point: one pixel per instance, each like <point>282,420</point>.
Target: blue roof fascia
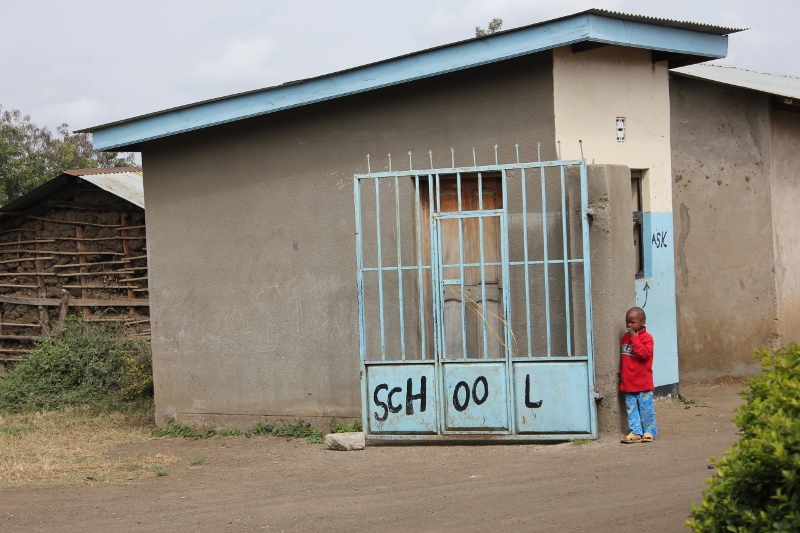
<point>429,63</point>
<point>661,38</point>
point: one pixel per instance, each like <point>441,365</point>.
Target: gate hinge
<point>597,396</point>
<point>589,212</point>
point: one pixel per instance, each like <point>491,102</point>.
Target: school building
<point>443,243</point>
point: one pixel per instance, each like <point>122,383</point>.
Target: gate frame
<point>438,285</point>
<point>511,408</point>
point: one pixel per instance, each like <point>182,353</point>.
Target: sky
<point>90,62</point>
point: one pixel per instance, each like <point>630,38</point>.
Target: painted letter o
<point>456,403</point>
<point>480,379</point>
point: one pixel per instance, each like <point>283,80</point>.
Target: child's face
<point>634,320</point>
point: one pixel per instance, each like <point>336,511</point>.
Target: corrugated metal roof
<point>765,82</point>
<point>107,170</point>
<point>127,185</point>
<point>668,23</point>
<point>124,182</point>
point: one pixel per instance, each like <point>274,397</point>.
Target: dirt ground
<point>270,484</point>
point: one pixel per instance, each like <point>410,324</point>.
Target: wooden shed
<point>74,245</point>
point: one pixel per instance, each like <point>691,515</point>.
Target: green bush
<point>89,365</point>
<point>757,486</point>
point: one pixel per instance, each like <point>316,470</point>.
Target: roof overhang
<point>689,41</point>
<point>766,82</point>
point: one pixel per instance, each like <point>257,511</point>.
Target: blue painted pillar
<point>655,293</point>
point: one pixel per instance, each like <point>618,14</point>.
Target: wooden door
<point>472,309</point>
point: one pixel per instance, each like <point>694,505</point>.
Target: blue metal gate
<point>474,302</point>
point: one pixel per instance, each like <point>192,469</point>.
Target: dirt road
<point>269,484</point>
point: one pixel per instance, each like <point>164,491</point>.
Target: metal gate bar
<point>399,267</point>
<point>566,260</point>
<point>421,294</point>
<point>546,265</point>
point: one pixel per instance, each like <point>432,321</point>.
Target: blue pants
<point>641,412</point>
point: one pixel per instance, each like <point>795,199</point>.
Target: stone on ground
<point>345,441</point>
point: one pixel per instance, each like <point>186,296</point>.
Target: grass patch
<point>11,431</point>
<point>260,429</point>
<point>341,427</point>
<point>196,461</point>
<point>178,430</point>
<point>70,446</point>
<point>159,471</point>
<point>194,432</point>
<point>295,430</point>
<point>581,442</point>
<point>299,430</point>
<point>684,400</point>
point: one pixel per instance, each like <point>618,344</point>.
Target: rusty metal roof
<point>765,82</point>
<point>124,182</point>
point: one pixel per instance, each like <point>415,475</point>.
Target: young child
<point>636,378</point>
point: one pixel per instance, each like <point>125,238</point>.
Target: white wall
<point>592,89</point>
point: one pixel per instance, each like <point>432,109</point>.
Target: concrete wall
<point>612,292</point>
<point>251,236</point>
<point>592,89</point>
<point>785,174</point>
<point>722,203</point>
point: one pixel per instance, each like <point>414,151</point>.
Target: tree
<point>30,155</point>
<point>494,26</point>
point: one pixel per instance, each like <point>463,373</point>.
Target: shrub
<point>299,430</point>
<point>295,430</point>
<point>757,486</point>
<point>341,427</point>
<point>89,365</point>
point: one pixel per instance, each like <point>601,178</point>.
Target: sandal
<point>632,438</point>
<point>647,437</point>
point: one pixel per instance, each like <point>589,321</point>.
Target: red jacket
<point>636,362</point>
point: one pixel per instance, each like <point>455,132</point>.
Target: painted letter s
<point>382,386</point>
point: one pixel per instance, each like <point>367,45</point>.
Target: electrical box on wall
<point>620,129</point>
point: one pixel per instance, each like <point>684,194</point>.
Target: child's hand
<point>632,333</point>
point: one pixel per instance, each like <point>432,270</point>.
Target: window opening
<point>638,226</point>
